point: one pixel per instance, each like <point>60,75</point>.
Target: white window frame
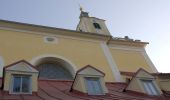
<point>12,85</point>
<point>100,85</point>
<point>150,87</point>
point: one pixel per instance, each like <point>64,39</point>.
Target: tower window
<point>93,86</point>
<point>96,25</point>
<point>21,84</point>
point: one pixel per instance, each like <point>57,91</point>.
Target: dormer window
<point>93,86</point>
<point>96,25</point>
<point>149,87</point>
<point>90,81</point>
<point>144,82</point>
<point>21,84</point>
<point>20,78</point>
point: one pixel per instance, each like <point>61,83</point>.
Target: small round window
<point>50,39</point>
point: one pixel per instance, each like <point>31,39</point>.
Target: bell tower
<point>91,24</point>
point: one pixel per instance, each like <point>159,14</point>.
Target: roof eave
<point>47,29</point>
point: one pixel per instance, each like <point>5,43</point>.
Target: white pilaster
<point>148,60</point>
<point>111,62</point>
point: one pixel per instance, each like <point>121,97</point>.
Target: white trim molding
<point>20,91</point>
<point>126,48</point>
<point>148,60</point>
<point>50,34</point>
<point>1,65</point>
<point>112,63</point>
<point>72,67</point>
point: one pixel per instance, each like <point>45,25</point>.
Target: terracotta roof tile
<point>59,90</point>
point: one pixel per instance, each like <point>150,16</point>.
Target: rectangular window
<point>149,87</point>
<point>93,86</point>
<point>21,84</point>
<point>96,25</point>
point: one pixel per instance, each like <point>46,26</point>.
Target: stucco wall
<point>20,45</point>
<point>164,84</point>
<point>130,60</point>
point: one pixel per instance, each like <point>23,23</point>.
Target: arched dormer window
<point>54,70</point>
<point>96,25</point>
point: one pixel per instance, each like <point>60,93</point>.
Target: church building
<point>47,63</point>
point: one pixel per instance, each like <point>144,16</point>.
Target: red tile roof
<point>154,74</point>
<point>59,90</point>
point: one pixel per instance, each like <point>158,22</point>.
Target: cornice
<point>125,42</point>
<point>4,24</point>
<point>45,29</point>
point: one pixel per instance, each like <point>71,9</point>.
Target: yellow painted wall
<point>128,60</point>
<point>18,45</point>
<point>164,84</point>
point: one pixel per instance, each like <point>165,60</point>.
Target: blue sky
<point>147,20</point>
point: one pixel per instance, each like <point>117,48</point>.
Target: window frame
<point>97,25</point>
<point>99,84</point>
<point>152,90</point>
<point>21,91</point>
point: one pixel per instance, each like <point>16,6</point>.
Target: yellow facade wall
<point>129,60</point>
<point>164,84</point>
<point>19,45</point>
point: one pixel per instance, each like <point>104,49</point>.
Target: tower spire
<point>91,24</point>
<point>83,13</point>
<point>81,8</point>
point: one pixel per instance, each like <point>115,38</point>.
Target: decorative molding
<point>112,64</point>
<point>2,64</point>
<point>127,48</point>
<point>21,66</point>
<point>50,34</point>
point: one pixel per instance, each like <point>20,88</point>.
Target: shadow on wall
<point>1,65</point>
